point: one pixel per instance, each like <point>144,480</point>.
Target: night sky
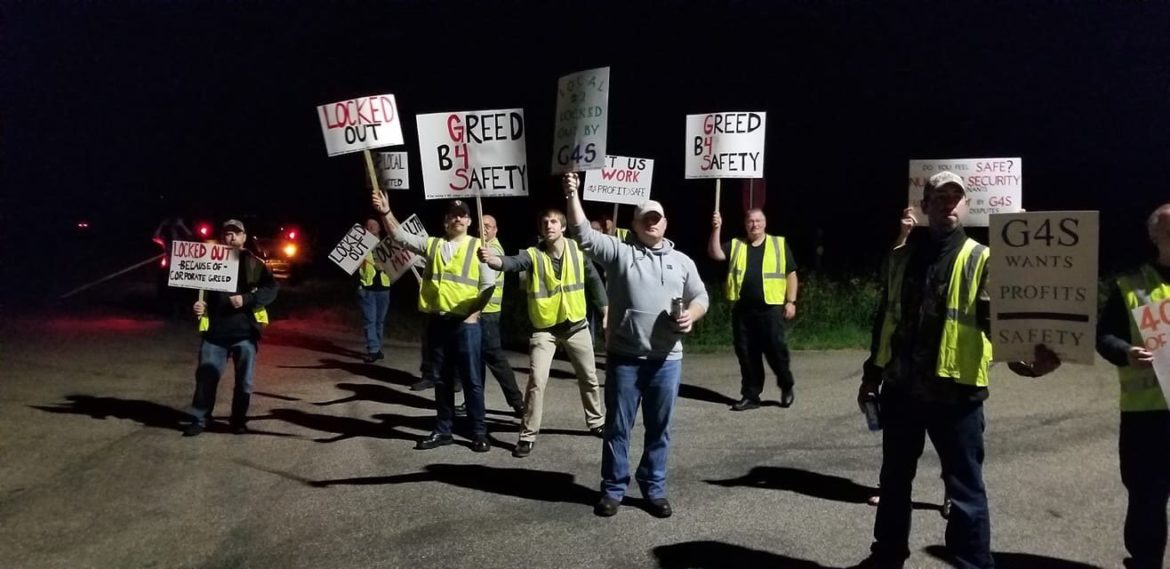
<point>122,112</point>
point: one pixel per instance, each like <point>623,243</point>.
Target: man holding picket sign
<point>558,277</point>
<point>493,353</point>
<point>454,289</point>
<point>230,324</point>
<point>761,285</point>
<point>1136,305</point>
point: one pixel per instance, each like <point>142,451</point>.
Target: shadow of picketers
<point>720,555</point>
<point>384,426</point>
<point>292,339</point>
<point>1013,560</point>
<point>369,371</point>
<point>146,413</point>
<point>539,485</point>
<point>379,394</point>
<point>687,391</point>
<point>815,484</point>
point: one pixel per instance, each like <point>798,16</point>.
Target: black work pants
<point>1144,448</point>
<point>759,331</point>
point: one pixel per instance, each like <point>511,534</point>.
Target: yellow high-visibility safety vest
<point>774,270</point>
<point>1139,387</point>
<point>367,270</point>
<point>259,314</point>
<point>497,300</point>
<point>964,351</point>
<point>553,299</point>
<point>450,287</point>
<point>621,233</point>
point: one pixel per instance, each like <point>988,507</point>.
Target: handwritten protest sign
<point>994,185</point>
<point>204,266</point>
<point>1153,321</point>
<point>473,152</point>
<point>725,145</point>
<point>622,180</point>
<point>582,114</point>
<point>395,260</point>
<point>348,253</point>
<point>360,124</point>
<point>392,171</point>
<point>1043,284</point>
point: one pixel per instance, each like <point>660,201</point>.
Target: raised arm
<point>714,244</point>
<point>600,246</point>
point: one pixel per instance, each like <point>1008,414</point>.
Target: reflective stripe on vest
<point>1139,386</point>
<point>367,270</point>
<point>621,233</point>
<point>450,287</point>
<point>773,270</point>
<point>964,350</point>
<point>553,299</point>
<point>496,302</point>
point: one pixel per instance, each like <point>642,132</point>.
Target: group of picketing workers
<point>927,368</point>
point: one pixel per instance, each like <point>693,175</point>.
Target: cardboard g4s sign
<point>582,114</point>
<point>1153,322</point>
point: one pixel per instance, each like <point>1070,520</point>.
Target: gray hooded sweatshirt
<point>640,283</point>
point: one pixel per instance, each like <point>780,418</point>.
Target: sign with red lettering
<point>352,248</point>
<point>994,185</point>
<point>473,152</point>
<point>392,171</point>
<point>621,180</point>
<point>205,266</point>
<point>360,124</point>
<point>395,260</point>
<point>1043,284</point>
<point>582,113</point>
<point>725,145</point>
<point>1153,320</point>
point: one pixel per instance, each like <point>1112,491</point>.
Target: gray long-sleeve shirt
<point>641,284</point>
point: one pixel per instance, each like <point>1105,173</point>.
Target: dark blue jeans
<point>1144,446</point>
<point>213,358</point>
<point>956,430</point>
<point>374,304</point>
<point>628,383</point>
<point>455,351</point>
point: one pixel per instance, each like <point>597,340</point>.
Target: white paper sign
<point>204,266</point>
<point>392,170</point>
<point>360,124</point>
<point>348,254</point>
<point>622,180</point>
<point>725,145</point>
<point>473,152</point>
<point>1043,284</point>
<point>994,185</point>
<point>582,114</point>
<point>1153,321</point>
<point>395,260</point>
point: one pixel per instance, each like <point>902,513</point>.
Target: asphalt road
<point>95,474</point>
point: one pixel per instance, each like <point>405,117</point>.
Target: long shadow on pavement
<point>146,413</point>
<point>815,484</point>
<point>1014,560</point>
<point>539,485</point>
<point>687,391</point>
<point>370,371</point>
<point>720,555</point>
<point>385,426</point>
<point>298,340</point>
<point>379,394</point>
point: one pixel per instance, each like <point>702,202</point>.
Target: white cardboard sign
<point>622,180</point>
<point>473,152</point>
<point>360,124</point>
<point>204,266</point>
<point>1153,321</point>
<point>994,185</point>
<point>392,170</point>
<point>352,248</point>
<point>725,145</point>
<point>582,114</point>
<point>395,260</point>
<point>1043,284</point>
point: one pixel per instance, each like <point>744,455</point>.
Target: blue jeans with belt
<point>213,358</point>
<point>455,348</point>
<point>628,382</point>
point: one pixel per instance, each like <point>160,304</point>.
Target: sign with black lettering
<point>582,113</point>
<point>725,145</point>
<point>994,185</point>
<point>392,171</point>
<point>622,180</point>
<point>1043,284</point>
<point>471,153</point>
<point>360,124</point>
<point>204,266</point>
<point>395,260</point>
<point>348,253</point>
<point>1153,320</point>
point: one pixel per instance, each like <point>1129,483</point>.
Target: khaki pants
<point>541,348</point>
